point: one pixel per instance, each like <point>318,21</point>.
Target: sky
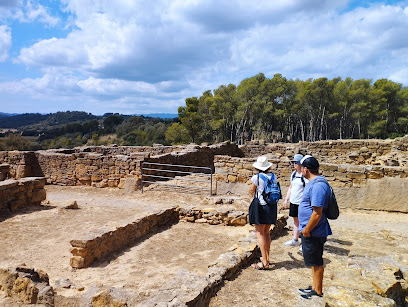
<point>142,57</point>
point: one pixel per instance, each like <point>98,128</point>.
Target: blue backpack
<point>272,192</point>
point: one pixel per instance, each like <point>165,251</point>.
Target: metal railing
<point>168,169</point>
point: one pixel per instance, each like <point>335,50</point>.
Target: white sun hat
<point>262,163</point>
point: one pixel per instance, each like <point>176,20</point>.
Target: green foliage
<point>177,134</point>
<point>16,142</point>
<point>111,122</point>
<point>278,109</point>
<point>140,130</point>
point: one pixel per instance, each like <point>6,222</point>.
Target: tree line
<point>279,109</point>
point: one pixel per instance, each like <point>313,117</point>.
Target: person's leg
<point>318,279</point>
<point>262,242</point>
<point>268,241</point>
<point>296,228</point>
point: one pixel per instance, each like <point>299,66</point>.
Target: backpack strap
<point>324,181</point>
<point>293,176</point>
<point>301,178</point>
<point>264,178</point>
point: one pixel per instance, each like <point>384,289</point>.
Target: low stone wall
<point>214,216</point>
<point>100,246</point>
<point>15,194</point>
<point>190,289</point>
<point>240,170</point>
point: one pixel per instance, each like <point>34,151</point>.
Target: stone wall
<point>4,171</point>
<point>105,166</point>
<point>374,152</point>
<point>233,170</point>
<point>100,246</point>
<point>369,187</point>
<point>22,163</point>
<point>15,194</point>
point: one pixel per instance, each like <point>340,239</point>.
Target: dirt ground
<point>380,235</point>
<point>40,238</point>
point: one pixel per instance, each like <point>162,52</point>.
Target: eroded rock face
<point>4,171</point>
<point>30,286</point>
<point>105,299</point>
<point>340,296</point>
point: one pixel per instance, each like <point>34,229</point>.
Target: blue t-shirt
<point>315,194</point>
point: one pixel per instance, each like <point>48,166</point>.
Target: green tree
<point>190,117</point>
<point>177,134</point>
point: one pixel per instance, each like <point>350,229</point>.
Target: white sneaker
<point>300,249</point>
<point>292,243</point>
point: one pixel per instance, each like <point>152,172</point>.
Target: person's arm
<point>314,219</point>
<point>252,190</point>
<point>285,202</point>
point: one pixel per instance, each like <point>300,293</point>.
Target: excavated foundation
<point>139,252</point>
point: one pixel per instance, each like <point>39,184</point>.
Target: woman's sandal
<point>261,259</point>
<point>260,266</point>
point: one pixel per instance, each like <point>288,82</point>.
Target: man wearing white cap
<point>294,196</point>
<point>313,224</point>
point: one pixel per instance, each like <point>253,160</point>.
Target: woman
<point>265,215</point>
<point>294,196</point>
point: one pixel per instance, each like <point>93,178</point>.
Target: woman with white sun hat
<point>262,215</point>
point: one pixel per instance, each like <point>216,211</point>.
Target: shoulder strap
<point>301,178</point>
<point>264,178</point>
<point>293,175</point>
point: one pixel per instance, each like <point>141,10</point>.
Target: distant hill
<point>45,121</point>
<point>7,114</point>
<point>159,115</point>
<point>20,120</point>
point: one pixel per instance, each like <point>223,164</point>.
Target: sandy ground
<point>40,238</point>
<point>369,233</point>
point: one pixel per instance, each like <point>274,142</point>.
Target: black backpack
<point>332,211</point>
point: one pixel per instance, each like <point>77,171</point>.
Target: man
<point>313,224</point>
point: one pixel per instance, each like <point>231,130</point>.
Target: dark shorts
<point>293,210</point>
<point>312,249</point>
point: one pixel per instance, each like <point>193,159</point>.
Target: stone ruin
<point>357,168</point>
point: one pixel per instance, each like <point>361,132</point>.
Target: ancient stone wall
<point>99,246</point>
<point>233,170</point>
<point>22,163</point>
<point>4,171</point>
<point>374,152</point>
<point>107,166</point>
<point>372,187</point>
<point>15,194</point>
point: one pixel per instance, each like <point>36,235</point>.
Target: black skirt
<point>262,214</point>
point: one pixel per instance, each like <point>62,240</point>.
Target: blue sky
<point>132,56</point>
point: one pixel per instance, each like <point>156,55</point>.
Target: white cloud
<point>5,42</point>
<point>26,11</point>
<point>136,52</point>
<point>35,11</point>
